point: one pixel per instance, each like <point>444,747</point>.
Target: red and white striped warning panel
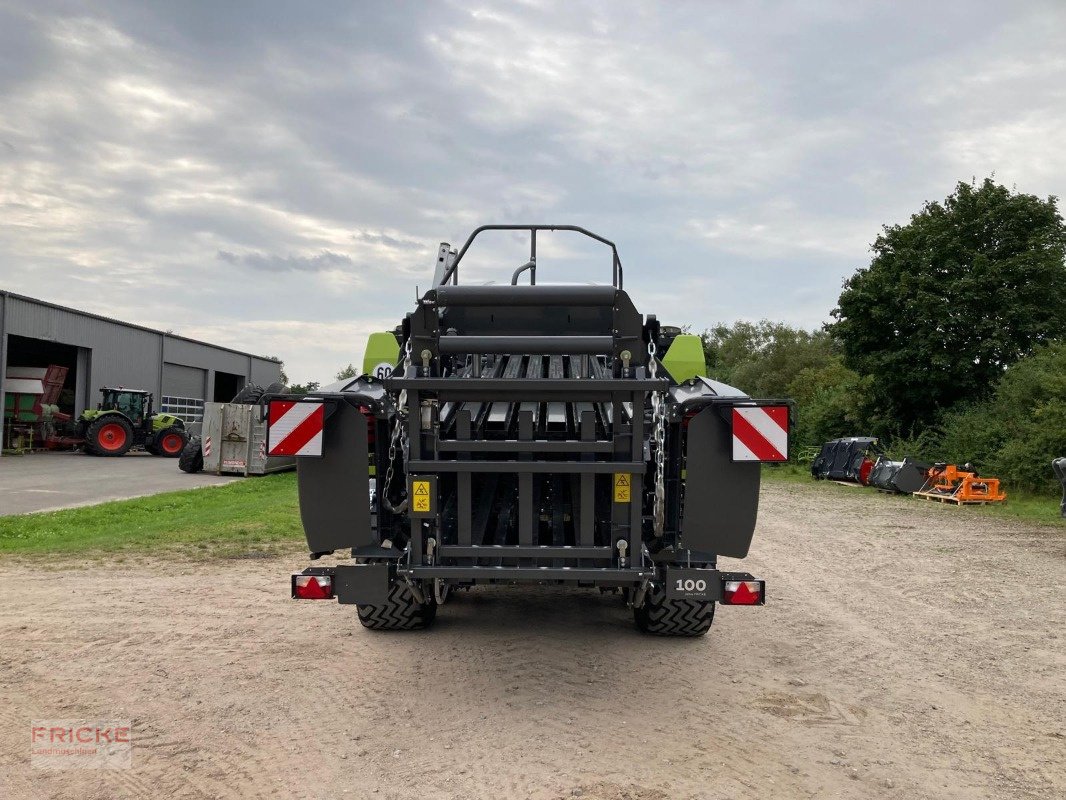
<point>295,429</point>
<point>207,445</point>
<point>760,433</point>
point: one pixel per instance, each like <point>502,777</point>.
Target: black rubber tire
<point>276,388</point>
<point>151,448</point>
<point>662,617</point>
<point>399,612</point>
<point>173,430</point>
<point>249,395</point>
<point>92,435</point>
<point>191,459</point>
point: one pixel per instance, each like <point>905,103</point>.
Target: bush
<point>1030,402</point>
<point>1015,434</point>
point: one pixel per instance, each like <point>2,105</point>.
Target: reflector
<point>312,587</point>
<point>742,593</point>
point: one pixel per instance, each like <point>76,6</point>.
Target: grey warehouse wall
<point>184,381</point>
<point>121,356</point>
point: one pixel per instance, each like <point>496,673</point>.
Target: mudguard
<point>334,489</point>
<point>721,495</point>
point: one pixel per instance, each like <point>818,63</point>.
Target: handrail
<point>452,273</point>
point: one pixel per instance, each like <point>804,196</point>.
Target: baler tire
<point>191,459</point>
<point>399,612</point>
<point>661,617</point>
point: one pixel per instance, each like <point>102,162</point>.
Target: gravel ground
<point>908,650</point>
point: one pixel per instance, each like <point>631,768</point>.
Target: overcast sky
<point>277,177</point>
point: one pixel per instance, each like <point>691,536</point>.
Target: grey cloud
<point>275,263</point>
<point>400,243</point>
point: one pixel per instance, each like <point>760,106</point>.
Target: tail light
<point>743,593</point>
<point>312,587</point>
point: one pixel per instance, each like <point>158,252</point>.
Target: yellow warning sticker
<point>420,497</point>
<point>622,486</point>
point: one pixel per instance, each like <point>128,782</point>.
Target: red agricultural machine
<point>31,417</point>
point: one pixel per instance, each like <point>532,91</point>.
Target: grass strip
<point>236,518</point>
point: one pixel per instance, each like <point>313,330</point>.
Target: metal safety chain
<point>399,437</point>
<point>658,417</point>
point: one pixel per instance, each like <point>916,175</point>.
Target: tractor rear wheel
<point>663,617</point>
<point>169,442</point>
<point>109,435</point>
<point>192,456</point>
<point>400,611</point>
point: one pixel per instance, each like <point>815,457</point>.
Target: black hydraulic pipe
<point>521,269</point>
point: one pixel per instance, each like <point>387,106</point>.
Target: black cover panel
<point>910,477</point>
<point>721,496</point>
<point>361,584</point>
<point>884,472</point>
<point>841,459</point>
<point>335,489</point>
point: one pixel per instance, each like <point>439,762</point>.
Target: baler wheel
<point>110,435</point>
<point>663,617</point>
<point>400,612</point>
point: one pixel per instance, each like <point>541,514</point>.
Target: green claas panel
<point>382,353</point>
<point>685,358</point>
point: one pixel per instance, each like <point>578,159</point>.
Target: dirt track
<point>907,651</point>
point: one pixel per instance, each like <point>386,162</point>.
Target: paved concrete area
<point>49,481</point>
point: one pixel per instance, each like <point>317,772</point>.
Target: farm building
<point>96,351</point>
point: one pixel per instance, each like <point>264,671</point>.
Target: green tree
<point>1030,405</point>
<point>829,400</point>
<point>304,388</point>
<point>1017,432</point>
<point>951,299</point>
<point>348,372</point>
<point>281,368</point>
<point>764,358</point>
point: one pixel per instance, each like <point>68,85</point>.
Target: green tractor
<point>124,419</point>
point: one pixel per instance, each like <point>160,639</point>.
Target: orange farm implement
<point>948,483</point>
